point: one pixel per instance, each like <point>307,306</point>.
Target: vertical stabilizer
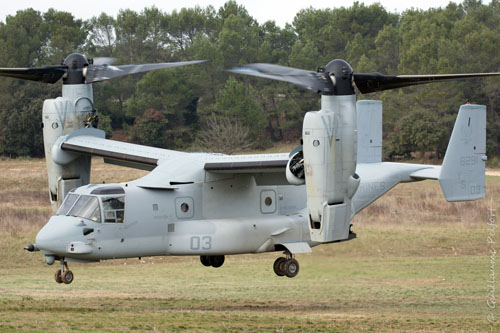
<point>462,174</point>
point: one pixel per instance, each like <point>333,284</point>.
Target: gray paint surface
<point>227,211</point>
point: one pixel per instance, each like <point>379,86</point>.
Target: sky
<point>281,11</point>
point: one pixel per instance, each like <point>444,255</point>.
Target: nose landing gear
<point>64,275</point>
<point>286,266</point>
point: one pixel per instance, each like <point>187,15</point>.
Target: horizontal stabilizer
<point>462,175</point>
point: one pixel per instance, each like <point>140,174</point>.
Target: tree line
<point>183,108</point>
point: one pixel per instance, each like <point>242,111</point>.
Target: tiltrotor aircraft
<point>212,205</point>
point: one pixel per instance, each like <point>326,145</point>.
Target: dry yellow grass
<point>25,208</point>
<point>419,263</point>
<point>24,196</point>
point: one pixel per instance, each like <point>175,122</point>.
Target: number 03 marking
<point>204,243</point>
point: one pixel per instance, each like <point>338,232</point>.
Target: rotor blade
<point>96,73</point>
<point>104,61</point>
<point>371,82</point>
<point>307,79</point>
<point>47,74</point>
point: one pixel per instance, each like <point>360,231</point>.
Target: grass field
<point>419,263</point>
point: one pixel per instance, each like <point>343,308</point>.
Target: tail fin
<point>462,174</point>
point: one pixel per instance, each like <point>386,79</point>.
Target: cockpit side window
<point>87,207</point>
<point>67,204</point>
<point>114,209</point>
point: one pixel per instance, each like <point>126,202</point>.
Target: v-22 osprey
<point>212,205</point>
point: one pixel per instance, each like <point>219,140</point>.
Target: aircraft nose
<point>53,237</point>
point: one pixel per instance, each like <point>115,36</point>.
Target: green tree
<point>102,35</point>
<point>239,40</point>
<point>22,38</point>
<point>166,91</point>
<point>66,34</point>
<point>105,125</point>
<point>151,129</point>
<point>236,101</point>
<point>417,132</point>
<point>186,25</point>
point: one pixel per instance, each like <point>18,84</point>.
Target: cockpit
<point>105,203</point>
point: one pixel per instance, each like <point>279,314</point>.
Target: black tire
<point>216,261</point>
<point>205,261</point>
<point>291,268</point>
<point>67,277</point>
<point>278,264</point>
<point>58,277</point>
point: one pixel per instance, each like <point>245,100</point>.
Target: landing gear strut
<point>286,266</point>
<point>214,261</point>
<point>64,275</point>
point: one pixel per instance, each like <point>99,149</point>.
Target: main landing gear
<point>286,266</point>
<point>64,275</point>
<point>214,261</point>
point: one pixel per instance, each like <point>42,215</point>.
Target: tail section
<point>462,175</point>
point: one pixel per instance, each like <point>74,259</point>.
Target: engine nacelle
<point>330,149</point>
<point>62,116</point>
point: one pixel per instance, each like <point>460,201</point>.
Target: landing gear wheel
<point>67,277</point>
<point>205,261</point>
<point>291,268</point>
<point>58,277</point>
<point>278,266</point>
<point>216,261</point>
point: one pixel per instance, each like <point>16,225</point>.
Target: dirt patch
<point>495,172</point>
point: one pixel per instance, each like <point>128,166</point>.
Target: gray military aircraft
<point>212,205</point>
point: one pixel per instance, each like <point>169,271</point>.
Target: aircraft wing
<point>92,142</point>
<point>248,164</point>
<point>267,169</point>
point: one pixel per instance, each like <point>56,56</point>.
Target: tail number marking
<point>475,189</point>
<point>468,160</point>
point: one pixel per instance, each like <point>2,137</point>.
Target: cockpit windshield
<point>69,201</point>
<point>89,207</point>
<point>84,206</point>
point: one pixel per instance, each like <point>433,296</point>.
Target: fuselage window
<point>114,209</point>
<point>86,207</point>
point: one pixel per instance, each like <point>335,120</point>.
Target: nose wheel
<point>64,275</point>
<point>286,266</point>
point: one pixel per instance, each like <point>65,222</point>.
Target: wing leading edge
<point>92,142</point>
